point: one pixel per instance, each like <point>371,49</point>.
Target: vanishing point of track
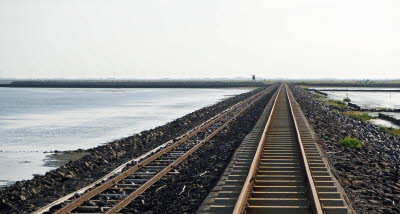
<point>117,191</point>
<point>287,173</point>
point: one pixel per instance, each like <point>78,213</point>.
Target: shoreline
<point>60,158</point>
<point>373,113</point>
<point>52,159</point>
<point>356,106</point>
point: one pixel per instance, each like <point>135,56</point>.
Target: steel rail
<point>242,202</point>
<point>150,182</point>
<point>93,192</point>
<point>248,184</point>
<point>120,168</point>
<point>316,205</point>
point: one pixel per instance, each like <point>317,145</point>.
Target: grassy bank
<point>361,115</point>
<point>364,116</point>
<point>324,99</point>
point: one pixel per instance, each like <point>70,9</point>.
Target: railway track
<point>279,169</point>
<point>288,174</point>
<point>223,196</point>
<point>123,185</point>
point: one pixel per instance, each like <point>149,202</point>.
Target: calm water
<point>370,100</point>
<point>35,120</point>
<point>395,115</point>
<point>384,123</point>
<point>354,88</point>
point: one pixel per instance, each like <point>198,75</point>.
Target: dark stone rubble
<point>184,193</point>
<point>369,175</point>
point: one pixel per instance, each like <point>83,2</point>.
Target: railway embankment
<point>370,174</point>
<point>27,196</point>
<point>184,192</point>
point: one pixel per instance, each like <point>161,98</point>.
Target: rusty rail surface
<point>245,195</point>
<point>316,204</point>
<point>229,115</point>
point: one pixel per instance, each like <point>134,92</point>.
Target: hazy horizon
<point>187,39</point>
<point>206,79</point>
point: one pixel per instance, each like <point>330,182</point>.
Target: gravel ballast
<point>184,193</point>
<point>370,174</point>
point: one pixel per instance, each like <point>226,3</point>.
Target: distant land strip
<point>365,90</point>
<point>349,84</point>
<point>135,84</point>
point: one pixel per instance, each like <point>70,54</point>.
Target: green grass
<point>382,108</point>
<point>391,81</point>
<point>359,115</point>
<point>319,96</point>
<point>346,100</point>
<point>351,142</point>
<point>391,130</point>
<point>335,103</point>
<point>322,98</point>
<point>394,131</point>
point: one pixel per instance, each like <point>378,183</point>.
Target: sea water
<point>38,120</point>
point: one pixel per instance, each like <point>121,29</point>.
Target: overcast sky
<point>148,39</point>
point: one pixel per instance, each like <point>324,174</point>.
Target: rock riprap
<point>370,174</point>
